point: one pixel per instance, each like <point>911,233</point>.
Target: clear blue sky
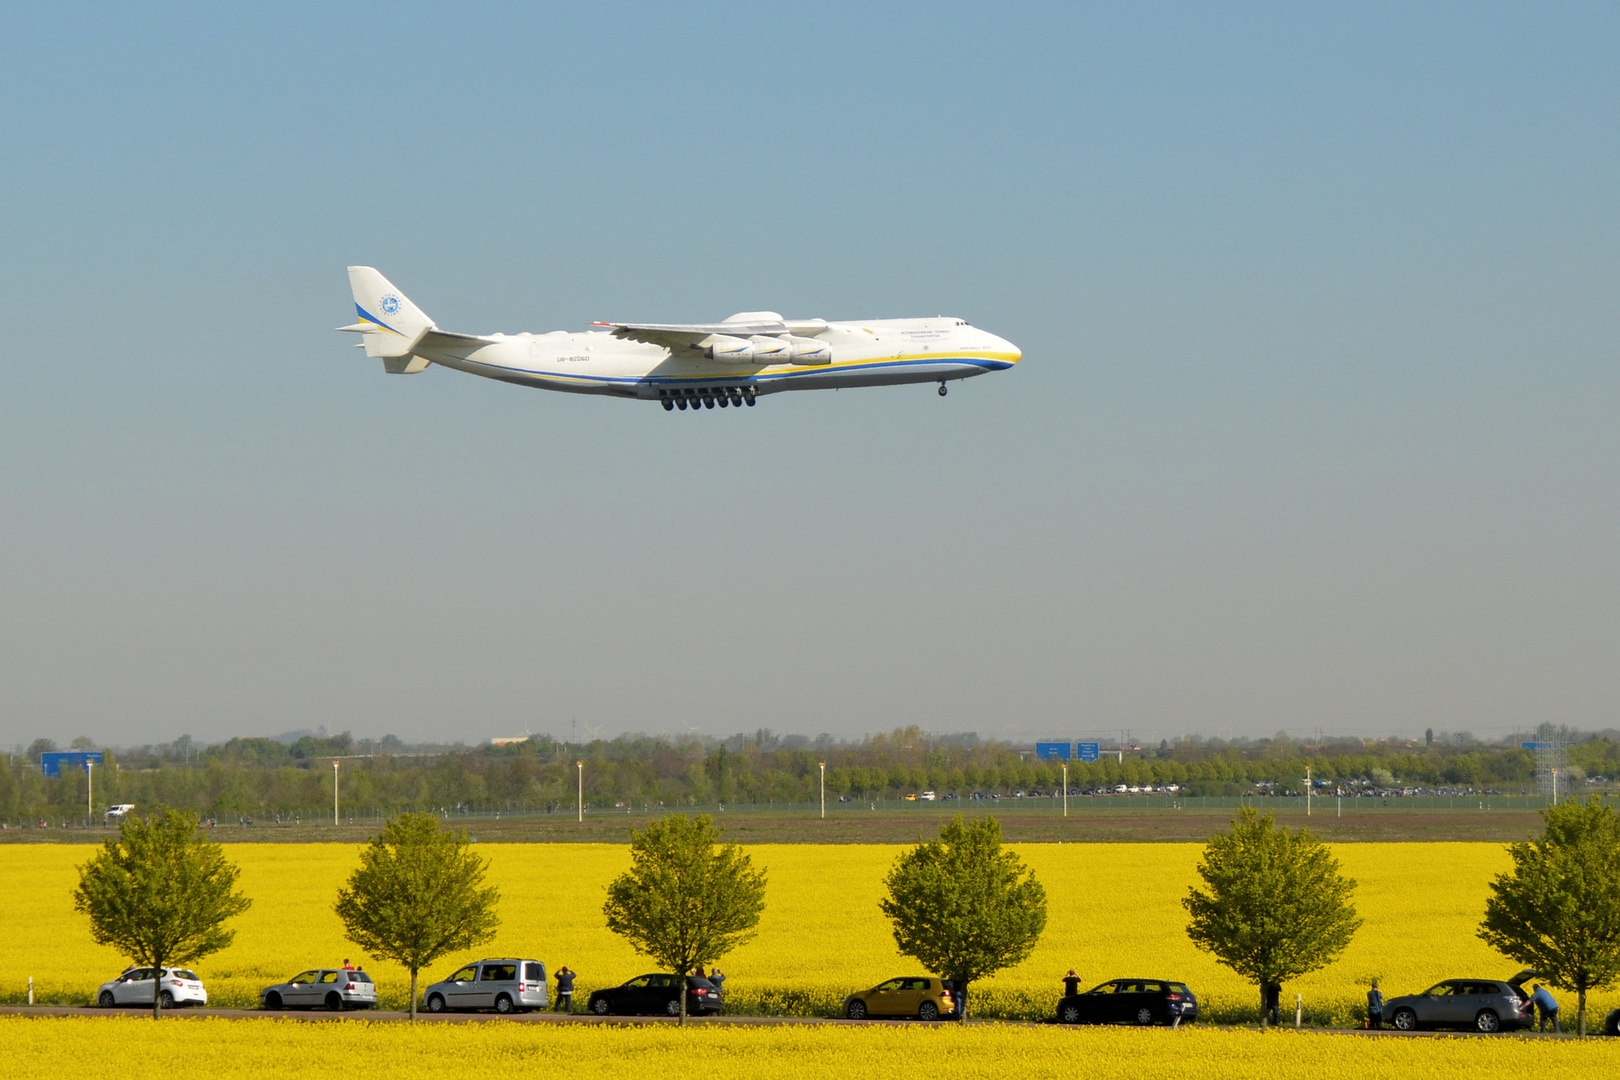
<point>1316,425</point>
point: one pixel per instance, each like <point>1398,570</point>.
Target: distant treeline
<point>264,778</point>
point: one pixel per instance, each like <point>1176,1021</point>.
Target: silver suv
<point>1487,1005</point>
<point>505,985</point>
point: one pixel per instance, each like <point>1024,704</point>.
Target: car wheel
<point>166,999</point>
<point>1069,1014</point>
<point>855,1010</point>
<point>1488,1022</point>
<point>503,1004</point>
<point>106,1000</point>
<point>272,1000</point>
<point>1405,1020</point>
<point>928,1011</point>
<point>436,1003</point>
<point>673,1006</point>
<point>599,1006</point>
<point>334,1002</point>
<point>1144,1015</point>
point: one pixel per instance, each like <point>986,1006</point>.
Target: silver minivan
<point>505,985</point>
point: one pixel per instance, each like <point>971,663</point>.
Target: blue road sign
<point>1537,745</point>
<point>1086,751</point>
<point>1048,751</point>
<point>51,764</point>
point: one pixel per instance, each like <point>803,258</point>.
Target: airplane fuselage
<point>874,353</point>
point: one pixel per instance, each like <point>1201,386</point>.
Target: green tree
<point>1558,909</point>
<point>419,893</point>
<point>684,901</point>
<point>160,893</point>
<point>963,907</point>
<point>1276,906</point>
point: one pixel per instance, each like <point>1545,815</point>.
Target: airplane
<point>698,366</point>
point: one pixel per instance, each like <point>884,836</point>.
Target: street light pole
<point>334,793</point>
<point>90,791</point>
<point>1307,791</point>
<point>823,789</point>
<point>580,765</point>
<point>1065,789</point>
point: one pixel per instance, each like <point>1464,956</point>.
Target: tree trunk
<point>157,991</point>
<point>962,1008</point>
<point>413,995</point>
<point>680,987</point>
<point>1580,1017</point>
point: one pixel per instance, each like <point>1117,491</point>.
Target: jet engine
<point>810,351</point>
<point>771,350</point>
<point>725,348</point>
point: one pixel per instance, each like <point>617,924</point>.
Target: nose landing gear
<point>942,390</point>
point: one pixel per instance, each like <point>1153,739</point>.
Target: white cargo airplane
<point>687,367</point>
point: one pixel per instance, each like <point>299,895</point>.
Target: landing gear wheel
<point>942,390</point>
<point>669,406</point>
<point>855,1010</point>
<point>749,401</point>
<point>106,1000</point>
<point>1405,1020</point>
<point>599,1006</point>
<point>1487,1022</point>
<point>928,1011</point>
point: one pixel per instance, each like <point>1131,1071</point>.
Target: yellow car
<point>911,798</point>
<point>920,996</point>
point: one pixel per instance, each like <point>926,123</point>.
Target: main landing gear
<point>705,397</point>
<point>942,390</point>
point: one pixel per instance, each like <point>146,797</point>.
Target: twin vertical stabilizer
<point>390,325</point>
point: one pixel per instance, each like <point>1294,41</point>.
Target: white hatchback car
<point>177,986</point>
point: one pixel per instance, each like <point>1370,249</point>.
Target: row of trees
<point>262,778</point>
<point>1273,905</point>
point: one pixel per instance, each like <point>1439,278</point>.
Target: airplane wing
<point>678,337</point>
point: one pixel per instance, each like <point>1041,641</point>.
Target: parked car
<point>176,986</point>
<point>117,812</point>
<point>505,985</point>
<point>1131,1001</point>
<point>1611,1025</point>
<point>322,988</point>
<point>658,993</point>
<point>928,796</point>
<point>913,995</point>
<point>1487,1005</point>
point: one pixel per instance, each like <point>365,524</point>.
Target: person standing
<point>1546,1007</point>
<point>718,977</point>
<point>1071,984</point>
<point>1272,1000</point>
<point>1375,1007</point>
<point>565,991</point>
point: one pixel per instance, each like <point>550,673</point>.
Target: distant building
<point>510,740</point>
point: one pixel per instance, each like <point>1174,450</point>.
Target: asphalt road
<point>320,1016</point>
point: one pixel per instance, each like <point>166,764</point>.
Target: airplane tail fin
<point>389,325</point>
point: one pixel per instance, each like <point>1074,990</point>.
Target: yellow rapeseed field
<point>117,1047</point>
<point>1115,911</point>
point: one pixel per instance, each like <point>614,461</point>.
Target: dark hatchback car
<point>650,994</point>
<point>1131,1001</point>
<point>1487,1005</point>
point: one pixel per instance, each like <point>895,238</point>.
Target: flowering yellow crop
<point>115,1048</point>
<point>1114,911</point>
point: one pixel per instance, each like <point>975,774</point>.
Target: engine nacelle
<point>771,350</point>
<point>810,351</point>
<point>728,349</point>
